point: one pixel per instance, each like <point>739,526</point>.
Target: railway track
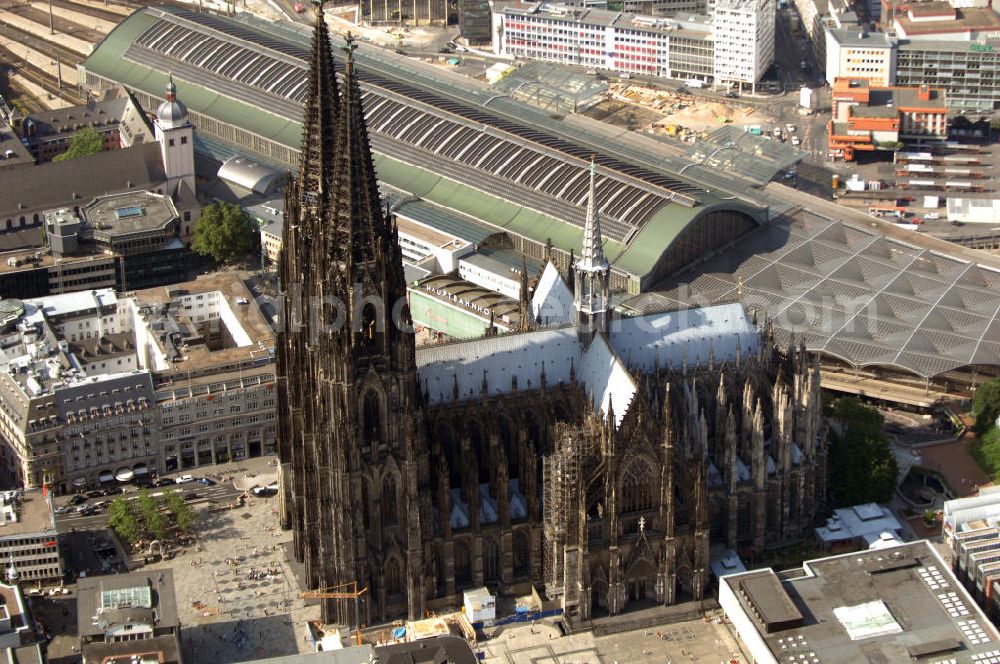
<point>67,56</point>
<point>41,79</point>
<point>91,9</point>
<point>36,14</point>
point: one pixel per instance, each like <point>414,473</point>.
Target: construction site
<point>678,114</point>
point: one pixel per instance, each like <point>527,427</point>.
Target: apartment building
<point>97,388</point>
<point>867,118</point>
<point>744,41</point>
<point>855,53</point>
<point>681,48</point>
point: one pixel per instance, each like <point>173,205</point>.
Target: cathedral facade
<point>602,459</point>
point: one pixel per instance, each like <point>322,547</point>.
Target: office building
<point>854,53</point>
<point>744,41</point>
<point>28,536</point>
<point>899,604</point>
<point>867,118</point>
<point>682,47</point>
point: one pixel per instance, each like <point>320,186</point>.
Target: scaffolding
<point>560,482</point>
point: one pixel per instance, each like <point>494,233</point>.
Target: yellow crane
<point>337,592</point>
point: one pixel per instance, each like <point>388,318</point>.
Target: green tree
<point>183,515</point>
<point>225,232</point>
<point>862,466</point>
<point>150,515</point>
<point>122,518</point>
<point>986,405</point>
<point>83,142</point>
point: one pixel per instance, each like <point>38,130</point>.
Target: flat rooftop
<point>9,141</point>
<point>892,605</point>
<point>246,312</point>
<point>128,213</point>
<point>155,585</point>
<point>36,517</point>
<point>961,20</point>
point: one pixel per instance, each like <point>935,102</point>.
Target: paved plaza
<point>236,595</point>
<point>541,643</point>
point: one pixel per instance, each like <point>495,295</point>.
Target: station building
<point>457,146</point>
<point>677,230</point>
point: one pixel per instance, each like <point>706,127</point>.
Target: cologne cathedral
<point>602,459</point>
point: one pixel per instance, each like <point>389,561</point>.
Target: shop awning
<point>124,474</point>
<point>140,469</point>
<point>106,476</point>
<point>80,481</point>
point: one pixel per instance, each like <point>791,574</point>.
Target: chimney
<point>925,93</point>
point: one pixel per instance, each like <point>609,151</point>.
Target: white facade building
<point>855,53</point>
<point>744,40</point>
<point>682,47</point>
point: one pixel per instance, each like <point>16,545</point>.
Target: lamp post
<point>51,29</point>
<point>58,64</point>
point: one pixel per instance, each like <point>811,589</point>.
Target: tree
<point>123,520</point>
<point>225,232</point>
<point>85,141</point>
<point>862,466</point>
<point>150,515</point>
<point>183,515</point>
<point>986,405</point>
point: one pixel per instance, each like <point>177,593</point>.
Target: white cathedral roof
<point>687,336</point>
<point>552,301</point>
<point>673,338</point>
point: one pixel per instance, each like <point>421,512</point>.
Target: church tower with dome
<point>176,137</point>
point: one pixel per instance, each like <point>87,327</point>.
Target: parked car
<point>192,496</point>
<point>61,510</point>
<point>78,499</point>
<point>206,481</point>
<point>184,479</point>
<point>95,494</point>
<point>166,481</point>
<point>264,491</point>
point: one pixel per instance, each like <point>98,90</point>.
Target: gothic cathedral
<point>602,459</point>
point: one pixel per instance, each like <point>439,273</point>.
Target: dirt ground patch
<point>623,114</point>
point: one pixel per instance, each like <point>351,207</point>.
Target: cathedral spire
<point>593,274</point>
<point>360,217</point>
<point>319,117</point>
<point>524,302</point>
<point>592,257</point>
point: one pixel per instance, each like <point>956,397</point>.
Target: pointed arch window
<point>463,564</point>
<point>371,424</point>
<point>393,579</point>
<point>522,552</point>
<point>368,326</point>
<point>638,487</point>
<point>389,501</point>
<point>491,560</point>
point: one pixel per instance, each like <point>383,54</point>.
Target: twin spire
<point>336,174</point>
